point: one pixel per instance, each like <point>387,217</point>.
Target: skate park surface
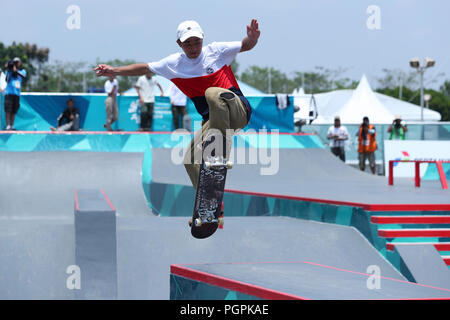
<point>309,173</point>
<point>307,259</point>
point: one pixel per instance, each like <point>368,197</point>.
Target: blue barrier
<point>39,111</point>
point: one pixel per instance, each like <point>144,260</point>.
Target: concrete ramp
<point>425,264</point>
<point>307,173</point>
<point>298,280</point>
<point>42,184</point>
<point>38,240</point>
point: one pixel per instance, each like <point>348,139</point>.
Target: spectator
<point>69,120</point>
<point>338,134</point>
<point>2,81</point>
<point>367,145</point>
<point>178,101</point>
<point>145,86</point>
<point>397,129</point>
<point>112,110</point>
<point>14,79</point>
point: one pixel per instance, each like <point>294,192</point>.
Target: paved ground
<point>310,173</point>
<point>310,280</point>
<point>37,230</point>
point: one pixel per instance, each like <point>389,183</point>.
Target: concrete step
<point>440,246</point>
<point>397,233</point>
<point>411,219</point>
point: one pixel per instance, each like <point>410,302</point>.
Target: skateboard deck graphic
<point>210,187</point>
<point>208,200</point>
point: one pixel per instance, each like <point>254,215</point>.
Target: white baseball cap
<point>188,29</point>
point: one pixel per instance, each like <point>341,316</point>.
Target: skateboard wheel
<point>229,164</point>
<point>198,222</point>
<point>221,222</point>
<point>207,165</point>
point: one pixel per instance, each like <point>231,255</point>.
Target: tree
<point>31,55</point>
<point>60,76</point>
<point>439,102</point>
<point>259,78</point>
<point>319,80</point>
<point>445,88</point>
<point>323,79</point>
<point>125,83</point>
<point>235,68</point>
<point>396,77</point>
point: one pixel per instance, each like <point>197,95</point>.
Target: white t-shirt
<point>341,132</point>
<point>112,87</point>
<point>2,81</point>
<point>212,68</point>
<point>146,88</point>
<point>177,98</point>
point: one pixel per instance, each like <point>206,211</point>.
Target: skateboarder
<point>204,74</point>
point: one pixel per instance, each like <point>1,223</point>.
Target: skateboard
<point>206,217</point>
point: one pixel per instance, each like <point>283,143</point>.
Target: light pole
<point>270,81</point>
<point>414,63</point>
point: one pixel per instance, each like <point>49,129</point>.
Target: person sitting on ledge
<point>69,120</point>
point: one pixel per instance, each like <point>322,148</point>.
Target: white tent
<point>353,105</point>
<point>364,103</point>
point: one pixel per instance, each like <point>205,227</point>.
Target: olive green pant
<point>226,111</point>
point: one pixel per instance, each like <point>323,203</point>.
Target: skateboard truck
<point>198,222</point>
<point>212,162</point>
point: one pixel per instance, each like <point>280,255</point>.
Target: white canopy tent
<point>353,105</point>
<point>364,103</point>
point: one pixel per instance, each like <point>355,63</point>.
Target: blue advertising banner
<point>39,111</point>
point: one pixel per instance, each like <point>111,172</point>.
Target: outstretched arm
<point>253,34</point>
<point>137,69</point>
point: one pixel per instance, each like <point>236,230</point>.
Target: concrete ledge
<point>95,244</point>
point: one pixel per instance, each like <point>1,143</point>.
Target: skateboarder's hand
<point>104,70</point>
<point>253,32</point>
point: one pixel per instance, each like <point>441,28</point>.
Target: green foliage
<point>393,79</point>
<point>319,80</point>
<point>439,102</point>
<point>259,78</point>
<point>125,83</point>
<point>59,76</point>
<point>31,55</point>
<point>62,76</point>
<point>235,68</point>
<point>445,88</point>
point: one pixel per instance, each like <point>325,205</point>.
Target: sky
<point>296,35</point>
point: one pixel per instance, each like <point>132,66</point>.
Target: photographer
<point>397,129</point>
<point>367,145</point>
<point>14,79</point>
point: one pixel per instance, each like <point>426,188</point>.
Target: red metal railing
<point>417,171</point>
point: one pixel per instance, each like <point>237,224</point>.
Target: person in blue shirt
<point>14,79</point>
